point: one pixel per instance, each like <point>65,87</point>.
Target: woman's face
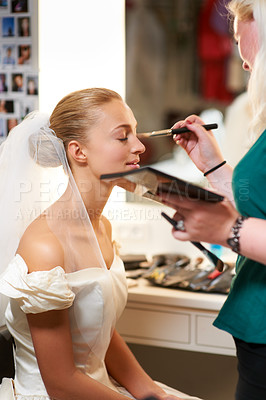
<point>25,23</point>
<point>246,35</point>
<point>19,80</point>
<point>112,143</point>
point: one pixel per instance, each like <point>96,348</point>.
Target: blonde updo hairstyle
<point>78,112</point>
<point>246,10</point>
<point>72,119</point>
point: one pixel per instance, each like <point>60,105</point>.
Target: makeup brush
<point>168,132</point>
<point>219,265</point>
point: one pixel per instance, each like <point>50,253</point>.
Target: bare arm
<point>125,369</point>
<point>53,347</point>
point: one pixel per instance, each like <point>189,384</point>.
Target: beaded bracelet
<point>234,241</point>
<point>214,168</point>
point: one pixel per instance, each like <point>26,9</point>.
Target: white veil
<point>35,179</point>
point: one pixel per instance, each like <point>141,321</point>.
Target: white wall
<point>81,44</point>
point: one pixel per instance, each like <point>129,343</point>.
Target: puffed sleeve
<point>37,291</point>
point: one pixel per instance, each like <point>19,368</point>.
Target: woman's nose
<point>138,146</point>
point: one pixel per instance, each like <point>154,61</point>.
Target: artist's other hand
<point>200,144</point>
<point>203,221</point>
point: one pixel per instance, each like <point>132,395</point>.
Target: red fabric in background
<point>214,49</point>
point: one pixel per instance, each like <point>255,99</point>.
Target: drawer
<point>209,336</point>
<point>155,325</point>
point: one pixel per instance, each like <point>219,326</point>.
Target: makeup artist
<point>239,221</point>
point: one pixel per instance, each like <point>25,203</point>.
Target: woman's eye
<point>123,139</point>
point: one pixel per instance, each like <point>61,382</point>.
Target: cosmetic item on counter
<point>178,271</point>
<point>133,261</point>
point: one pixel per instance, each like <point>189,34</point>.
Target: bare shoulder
<point>39,247</point>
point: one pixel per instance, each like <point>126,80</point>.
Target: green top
<point>244,312</point>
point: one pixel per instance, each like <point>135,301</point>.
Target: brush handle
<point>218,263</point>
<point>185,129</point>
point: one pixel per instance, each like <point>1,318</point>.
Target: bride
<point>60,268</point>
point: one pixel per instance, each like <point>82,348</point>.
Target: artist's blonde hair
<point>246,10</point>
<point>242,9</point>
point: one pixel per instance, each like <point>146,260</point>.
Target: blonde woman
<point>65,282</point>
<point>239,221</point>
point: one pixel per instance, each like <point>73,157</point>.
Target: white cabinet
<point>174,319</point>
<point>158,326</point>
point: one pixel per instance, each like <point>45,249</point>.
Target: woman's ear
<point>77,152</point>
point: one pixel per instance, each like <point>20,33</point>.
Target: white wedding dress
<point>95,298</point>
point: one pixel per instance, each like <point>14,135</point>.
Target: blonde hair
<point>77,112</point>
<point>246,10</point>
<point>242,9</point>
<point>71,119</point>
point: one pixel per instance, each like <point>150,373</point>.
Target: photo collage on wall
<point>18,72</point>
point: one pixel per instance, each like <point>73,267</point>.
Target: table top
<point>145,292</point>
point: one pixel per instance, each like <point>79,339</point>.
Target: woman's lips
<point>134,164</point>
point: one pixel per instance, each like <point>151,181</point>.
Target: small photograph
<point>2,129</point>
<point>32,85</point>
<point>19,6</point>
<point>10,124</point>
<point>29,104</point>
<point>24,54</point>
<point>3,83</point>
<point>9,57</point>
<point>24,26</point>
<point>6,106</point>
<point>3,4</point>
<point>8,27</point>
<point>17,82</point>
